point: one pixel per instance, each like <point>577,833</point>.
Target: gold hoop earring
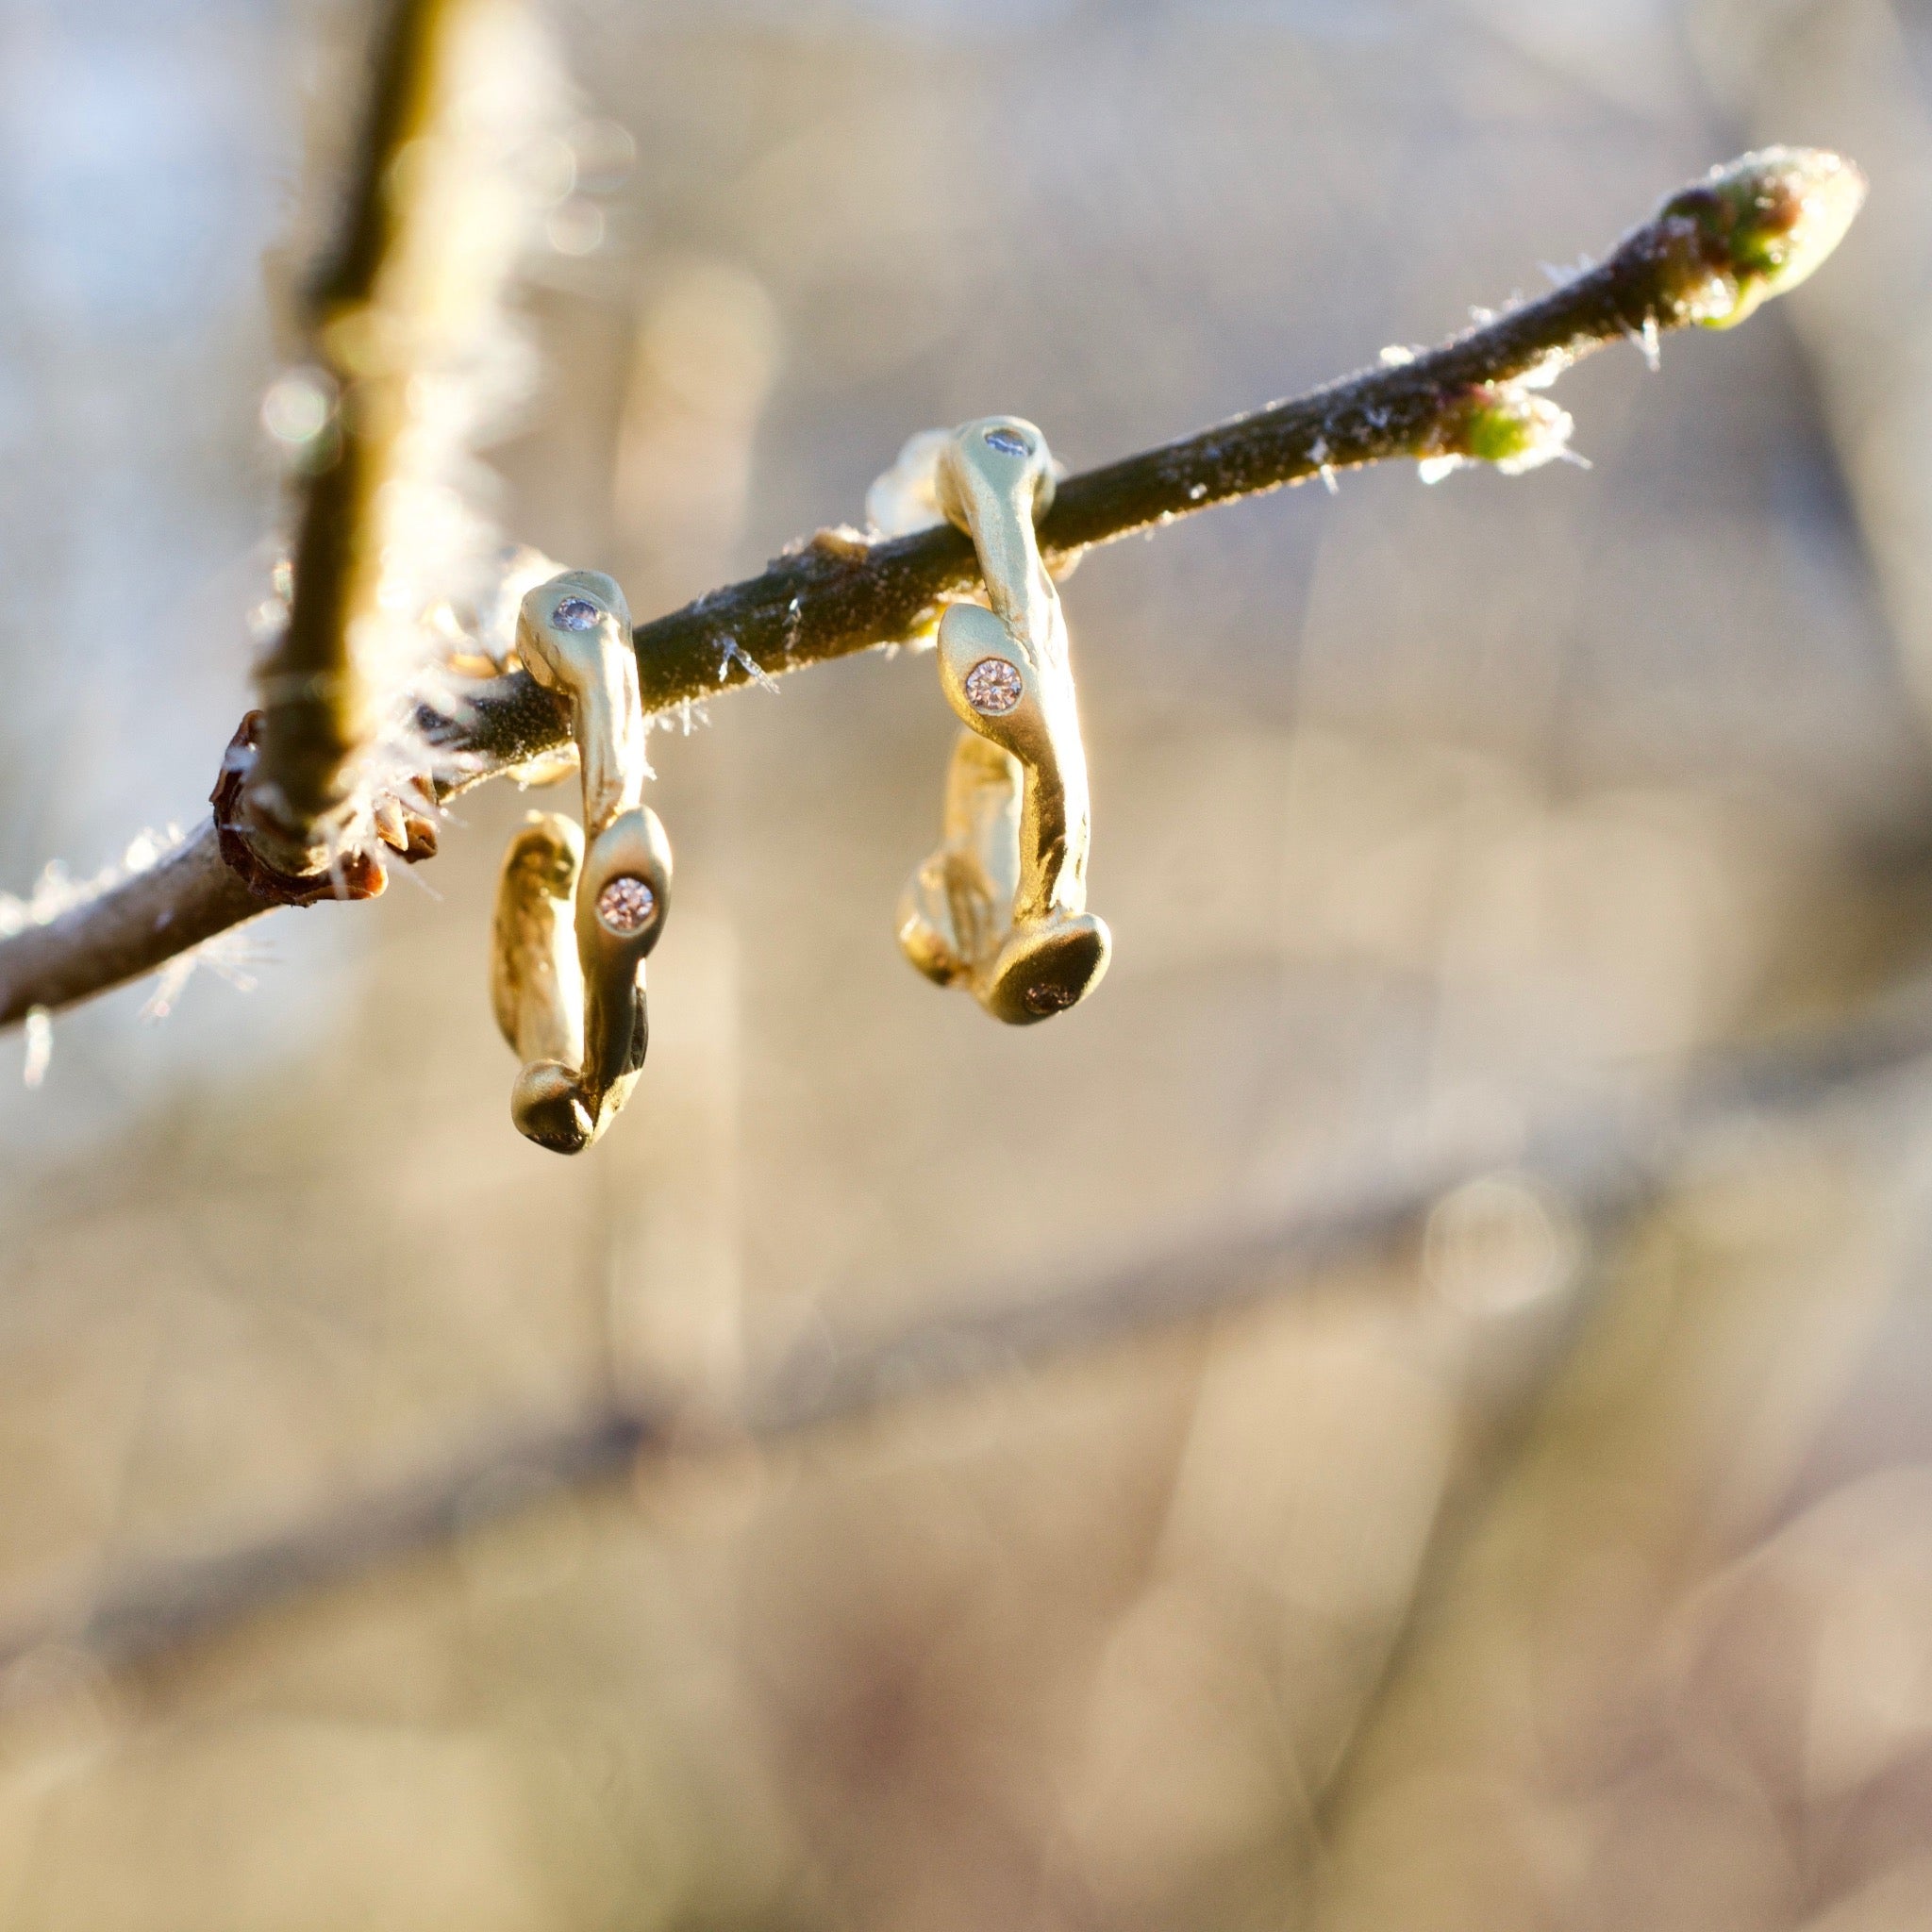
<point>569,990</point>
<point>1000,907</point>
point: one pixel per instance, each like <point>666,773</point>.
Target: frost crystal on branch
<point>56,891</point>
<point>412,359</point>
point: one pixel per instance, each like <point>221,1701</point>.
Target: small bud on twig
<point>1503,423</point>
<point>1754,228</point>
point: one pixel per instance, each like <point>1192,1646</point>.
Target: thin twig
<point>1602,1164</point>
<point>190,896</point>
<point>1710,256</point>
<point>366,344</point>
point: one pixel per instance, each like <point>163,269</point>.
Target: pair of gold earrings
<point>1000,908</point>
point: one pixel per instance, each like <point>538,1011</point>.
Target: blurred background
<point>1557,1554</point>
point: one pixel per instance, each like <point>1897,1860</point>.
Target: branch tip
<point>1753,229</point>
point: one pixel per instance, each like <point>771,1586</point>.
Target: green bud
<point>1503,423</point>
<point>1754,228</point>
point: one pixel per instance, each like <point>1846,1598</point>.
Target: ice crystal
<point>479,194</point>
<point>57,891</point>
<point>731,652</point>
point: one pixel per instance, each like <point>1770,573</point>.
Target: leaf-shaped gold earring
<point>1001,907</point>
<point>573,926</point>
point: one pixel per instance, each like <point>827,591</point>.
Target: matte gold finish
<point>569,988</point>
<point>1001,907</point>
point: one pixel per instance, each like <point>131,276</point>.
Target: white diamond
<point>992,687</point>
<point>576,613</point>
<point>626,905</point>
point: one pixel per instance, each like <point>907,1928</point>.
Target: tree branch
<point>189,896</point>
<point>1708,258</point>
<point>368,331</point>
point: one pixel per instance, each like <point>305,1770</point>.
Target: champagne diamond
<point>626,905</point>
<point>992,687</point>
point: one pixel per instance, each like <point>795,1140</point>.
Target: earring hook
<point>569,992</point>
<point>1001,907</point>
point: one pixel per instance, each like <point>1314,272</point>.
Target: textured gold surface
<point>568,990</point>
<point>595,671</point>
<point>1001,907</point>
